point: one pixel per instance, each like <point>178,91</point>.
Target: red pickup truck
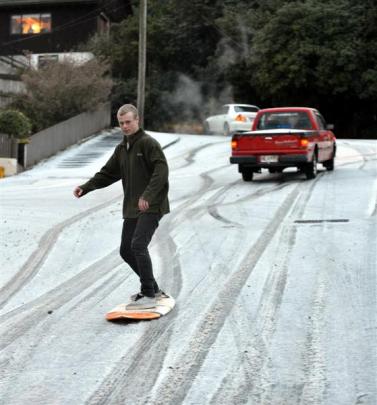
<point>284,137</point>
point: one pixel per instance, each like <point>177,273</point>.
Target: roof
<point>287,109</point>
<point>37,2</point>
<point>241,105</point>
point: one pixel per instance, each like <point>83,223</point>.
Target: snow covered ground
<point>275,282</point>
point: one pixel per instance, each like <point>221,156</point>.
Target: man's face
<point>128,123</point>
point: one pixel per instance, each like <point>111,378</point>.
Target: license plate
<point>269,159</point>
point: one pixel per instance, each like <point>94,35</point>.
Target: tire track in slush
<point>254,362</point>
<point>26,317</point>
<point>19,321</point>
<point>40,254</point>
<point>315,384</point>
<point>179,380</point>
<point>189,156</point>
<point>217,201</point>
<point>123,385</point>
<point>45,323</point>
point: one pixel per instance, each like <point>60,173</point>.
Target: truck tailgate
<point>268,141</point>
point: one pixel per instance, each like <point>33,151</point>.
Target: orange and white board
<point>164,305</point>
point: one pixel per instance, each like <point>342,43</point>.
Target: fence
<point>54,139</point>
<point>5,146</point>
<point>10,85</point>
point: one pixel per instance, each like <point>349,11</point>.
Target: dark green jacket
<point>141,165</point>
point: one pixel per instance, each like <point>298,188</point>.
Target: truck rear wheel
<point>247,175</point>
<point>311,168</point>
<point>329,164</point>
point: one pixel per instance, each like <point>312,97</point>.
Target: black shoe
<point>143,303</point>
<point>136,297</point>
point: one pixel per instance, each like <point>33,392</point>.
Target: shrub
<point>14,123</point>
<point>61,90</point>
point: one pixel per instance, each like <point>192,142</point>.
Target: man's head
<point>128,118</point>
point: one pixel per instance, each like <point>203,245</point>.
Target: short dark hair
<point>126,108</point>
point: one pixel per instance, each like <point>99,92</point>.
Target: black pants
<point>136,235</point>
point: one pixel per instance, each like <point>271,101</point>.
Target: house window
<point>30,23</point>
<point>43,60</point>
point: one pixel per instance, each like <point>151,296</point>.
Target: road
<point>275,282</point>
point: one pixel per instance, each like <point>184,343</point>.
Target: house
<point>49,28</point>
<point>33,32</point>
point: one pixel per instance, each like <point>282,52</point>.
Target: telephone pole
<point>142,59</point>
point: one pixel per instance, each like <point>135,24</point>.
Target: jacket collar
<point>130,140</point>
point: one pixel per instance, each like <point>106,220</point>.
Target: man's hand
<point>143,205</point>
<point>77,192</point>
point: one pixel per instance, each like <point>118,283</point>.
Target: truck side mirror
<point>330,127</point>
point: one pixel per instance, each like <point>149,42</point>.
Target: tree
<point>14,123</point>
<point>180,40</point>
<point>314,52</point>
<point>266,52</point>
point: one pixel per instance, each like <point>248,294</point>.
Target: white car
<point>231,118</point>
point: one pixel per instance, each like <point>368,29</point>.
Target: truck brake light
<point>234,144</point>
<point>304,142</point>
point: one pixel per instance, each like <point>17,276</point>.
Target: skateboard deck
<point>164,305</point>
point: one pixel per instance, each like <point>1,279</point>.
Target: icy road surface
<point>275,282</point>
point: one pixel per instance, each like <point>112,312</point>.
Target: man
<point>141,165</point>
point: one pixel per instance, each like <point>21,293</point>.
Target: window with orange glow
<point>30,24</point>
